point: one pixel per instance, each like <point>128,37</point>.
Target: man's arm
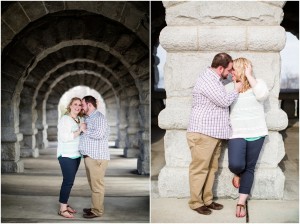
<point>97,129</point>
<point>217,93</point>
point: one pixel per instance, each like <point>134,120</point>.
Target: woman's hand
<point>250,77</point>
<point>248,70</point>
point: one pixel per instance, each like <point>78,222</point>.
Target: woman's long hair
<point>239,65</point>
<point>80,114</point>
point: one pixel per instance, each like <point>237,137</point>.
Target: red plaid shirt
<point>210,106</point>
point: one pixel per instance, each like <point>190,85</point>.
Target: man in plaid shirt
<point>209,123</point>
<point>93,145</point>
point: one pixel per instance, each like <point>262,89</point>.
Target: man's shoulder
<point>98,115</point>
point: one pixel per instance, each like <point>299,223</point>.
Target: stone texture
<point>131,153</point>
<point>175,38</point>
<point>10,151</point>
<point>176,114</point>
<point>195,13</point>
<point>12,167</point>
<point>268,183</point>
<point>54,6</point>
<point>29,152</point>
<point>260,38</point>
<point>276,120</point>
<point>15,18</point>
<point>7,34</point>
<point>221,27</point>
<point>34,10</point>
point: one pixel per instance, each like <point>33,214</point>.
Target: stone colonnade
<point>195,32</point>
<point>51,47</point>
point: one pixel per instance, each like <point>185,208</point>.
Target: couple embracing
<point>83,137</point>
<point>219,114</point>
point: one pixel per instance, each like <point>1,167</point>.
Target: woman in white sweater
<point>248,130</point>
<point>68,154</point>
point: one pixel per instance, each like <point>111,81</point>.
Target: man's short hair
<point>90,99</point>
<point>221,59</point>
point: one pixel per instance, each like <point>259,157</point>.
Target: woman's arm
<point>65,130</point>
<point>259,87</point>
<point>248,73</point>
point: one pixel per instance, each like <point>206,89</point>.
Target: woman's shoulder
<point>259,80</point>
<point>65,117</point>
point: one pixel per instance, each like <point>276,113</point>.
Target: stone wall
<point>195,32</point>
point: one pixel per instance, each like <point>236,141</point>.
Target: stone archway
<point>99,44</point>
<point>256,35</point>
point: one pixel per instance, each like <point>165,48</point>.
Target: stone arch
<point>130,14</point>
<point>43,103</point>
<point>126,62</point>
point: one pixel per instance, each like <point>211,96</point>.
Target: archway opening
<point>80,91</point>
<point>289,85</point>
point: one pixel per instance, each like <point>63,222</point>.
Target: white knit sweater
<point>247,112</point>
<point>67,144</point>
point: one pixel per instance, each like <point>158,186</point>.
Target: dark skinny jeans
<point>242,156</point>
<point>69,169</point>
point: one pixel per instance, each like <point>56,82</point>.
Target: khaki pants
<point>205,152</point>
<point>95,171</point>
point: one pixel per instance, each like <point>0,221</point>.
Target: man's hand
<point>83,127</point>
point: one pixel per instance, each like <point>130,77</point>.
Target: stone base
<point>131,153</point>
<point>143,167</point>
<point>12,166</point>
<point>28,152</point>
<point>268,183</point>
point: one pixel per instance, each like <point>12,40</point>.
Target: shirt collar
<point>92,114</point>
<point>214,74</point>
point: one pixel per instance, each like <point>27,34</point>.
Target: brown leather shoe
<point>89,215</point>
<point>87,210</point>
<point>203,210</point>
<point>215,206</point>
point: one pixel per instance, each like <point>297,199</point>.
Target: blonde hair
<point>239,65</point>
<point>69,109</point>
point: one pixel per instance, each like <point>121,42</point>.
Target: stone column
<point>132,146</point>
<point>27,127</point>
<point>52,120</point>
<point>195,32</point>
<point>42,127</point>
<point>143,164</point>
<point>123,123</point>
<point>10,134</point>
<point>112,116</point>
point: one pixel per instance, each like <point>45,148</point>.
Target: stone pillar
<point>123,123</point>
<point>112,116</point>
<point>195,32</point>
<point>41,136</point>
<point>52,121</point>
<point>143,165</point>
<point>10,134</point>
<point>132,145</point>
<point>27,127</point>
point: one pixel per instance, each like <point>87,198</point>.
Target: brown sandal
<point>70,209</point>
<point>240,206</point>
<point>61,213</point>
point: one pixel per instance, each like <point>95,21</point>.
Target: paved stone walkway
<point>33,195</point>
